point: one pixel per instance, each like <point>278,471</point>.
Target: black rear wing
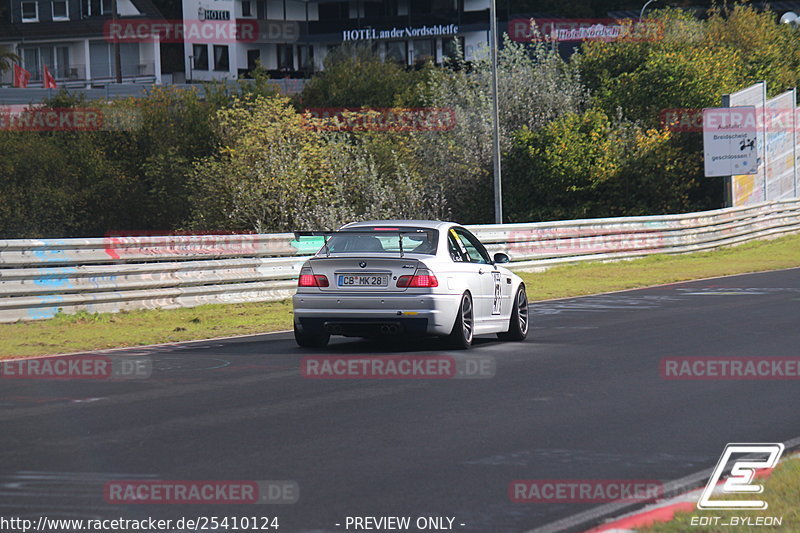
<point>327,235</point>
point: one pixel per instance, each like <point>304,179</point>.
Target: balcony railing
<point>75,75</point>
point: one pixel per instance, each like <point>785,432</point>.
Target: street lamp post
<point>641,13</point>
<point>117,55</point>
<point>498,188</point>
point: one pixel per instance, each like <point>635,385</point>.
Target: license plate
<point>363,280</point>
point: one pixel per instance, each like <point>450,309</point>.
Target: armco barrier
<point>40,277</point>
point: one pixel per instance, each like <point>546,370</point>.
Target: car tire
<point>464,328</point>
<point>519,322</point>
<point>311,339</point>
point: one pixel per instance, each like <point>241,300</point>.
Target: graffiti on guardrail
<point>548,241</point>
<point>139,270</point>
<point>121,244</point>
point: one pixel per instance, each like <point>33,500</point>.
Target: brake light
<point>421,278</point>
<point>309,279</point>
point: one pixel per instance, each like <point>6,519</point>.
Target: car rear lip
<point>438,310</point>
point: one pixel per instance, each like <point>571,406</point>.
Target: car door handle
<point>481,271</point>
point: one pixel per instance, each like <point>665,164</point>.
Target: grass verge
<point>71,333</point>
<point>781,492</point>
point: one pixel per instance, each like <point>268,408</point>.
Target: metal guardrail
<point>39,278</point>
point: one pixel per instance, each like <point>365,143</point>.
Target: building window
<point>397,51</point>
<point>63,68</point>
<point>371,9</point>
<point>334,10</point>
<point>421,7</point>
<point>30,12</point>
<point>106,6</point>
<point>200,55</point>
<point>30,61</point>
<point>423,51</point>
<point>102,63</point>
<point>449,50</point>
<point>285,57</point>
<point>221,57</point>
<point>56,58</point>
<point>60,10</point>
<point>253,59</point>
<point>306,57</point>
<point>247,9</point>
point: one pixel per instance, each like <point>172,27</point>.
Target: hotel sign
<point>400,33</point>
<point>214,14</point>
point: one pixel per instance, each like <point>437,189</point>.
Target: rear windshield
<point>384,240</point>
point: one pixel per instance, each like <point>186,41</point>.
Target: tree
<point>6,60</point>
<point>692,65</point>
<point>585,165</point>
<point>536,86</point>
<point>274,172</point>
<point>355,76</point>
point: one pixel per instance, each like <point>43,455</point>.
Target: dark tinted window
<point>221,57</point>
<point>473,247</point>
<point>334,11</point>
<point>454,249</point>
<point>368,240</point>
<point>200,55</point>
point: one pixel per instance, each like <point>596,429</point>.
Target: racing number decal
<point>496,301</point>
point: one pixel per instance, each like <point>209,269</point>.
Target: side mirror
<point>501,258</point>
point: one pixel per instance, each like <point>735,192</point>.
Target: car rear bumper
<point>433,314</point>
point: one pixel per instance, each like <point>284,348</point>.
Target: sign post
<point>730,143</point>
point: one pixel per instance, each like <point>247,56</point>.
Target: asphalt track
<point>583,398</point>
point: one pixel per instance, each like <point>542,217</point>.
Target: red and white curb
<point>665,511</point>
<point>658,512</point>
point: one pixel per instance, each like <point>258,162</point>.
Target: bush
<point>585,165</point>
<point>273,173</point>
<point>355,76</point>
<point>535,87</point>
<point>694,64</point>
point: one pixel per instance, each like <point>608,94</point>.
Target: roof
<point>430,224</point>
<point>75,28</point>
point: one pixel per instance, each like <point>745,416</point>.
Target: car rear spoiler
<point>327,234</point>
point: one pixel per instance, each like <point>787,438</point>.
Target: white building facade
<point>290,38</point>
